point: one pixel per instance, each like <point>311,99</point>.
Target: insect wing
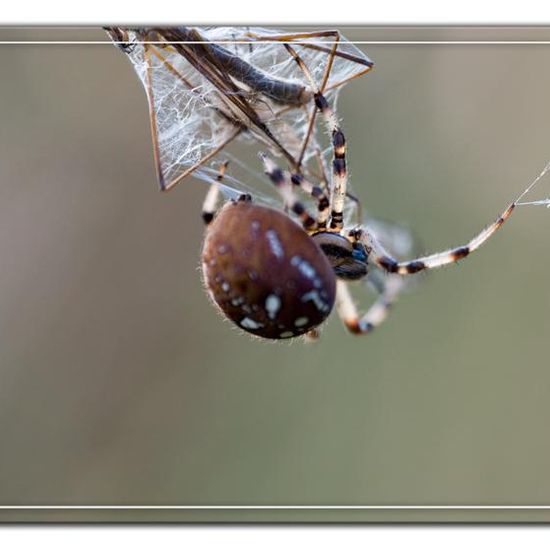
<point>192,119</point>
<point>397,239</point>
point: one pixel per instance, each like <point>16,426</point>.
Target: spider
<point>277,280</point>
<point>271,276</point>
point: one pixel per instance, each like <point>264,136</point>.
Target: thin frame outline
<point>275,507</point>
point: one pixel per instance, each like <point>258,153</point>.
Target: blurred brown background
<point>120,383</point>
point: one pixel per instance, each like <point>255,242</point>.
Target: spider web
<point>193,119</point>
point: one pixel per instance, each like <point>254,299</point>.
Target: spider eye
<point>265,273</point>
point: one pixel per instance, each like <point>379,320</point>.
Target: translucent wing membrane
<point>401,242</point>
<point>210,86</point>
<point>396,238</point>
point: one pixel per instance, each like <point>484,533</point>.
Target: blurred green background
<point>121,384</point>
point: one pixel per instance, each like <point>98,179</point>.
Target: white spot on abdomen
<point>275,243</point>
<point>304,267</point>
<point>272,305</point>
<point>314,296</point>
<point>301,321</point>
<point>247,322</point>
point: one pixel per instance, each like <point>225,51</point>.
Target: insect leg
<point>153,117</point>
<point>150,51</point>
<point>301,39</point>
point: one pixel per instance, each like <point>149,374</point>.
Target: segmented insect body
<point>208,87</point>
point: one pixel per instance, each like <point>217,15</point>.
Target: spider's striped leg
<point>323,204</point>
<point>339,170</point>
<point>452,255</point>
<point>379,255</point>
<point>376,314</point>
<point>284,186</point>
<point>325,186</point>
<point>211,199</point>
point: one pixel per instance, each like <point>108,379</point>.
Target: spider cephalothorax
<point>348,258</point>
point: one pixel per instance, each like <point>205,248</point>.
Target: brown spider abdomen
<point>265,272</point>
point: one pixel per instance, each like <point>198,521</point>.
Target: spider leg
<point>323,204</point>
<point>211,199</point>
<point>326,75</point>
<point>384,260</point>
<point>283,184</point>
<point>439,259</point>
<point>339,169</point>
<point>376,314</point>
